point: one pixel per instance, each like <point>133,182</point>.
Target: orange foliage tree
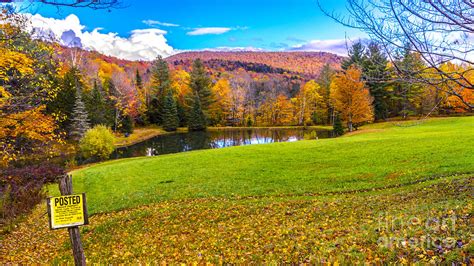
<point>456,95</point>
<point>351,98</point>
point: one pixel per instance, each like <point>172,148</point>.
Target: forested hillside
<point>305,63</point>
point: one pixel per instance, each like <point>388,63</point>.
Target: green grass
<point>268,204</point>
<point>383,155</point>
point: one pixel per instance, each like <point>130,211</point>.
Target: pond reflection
<point>212,139</point>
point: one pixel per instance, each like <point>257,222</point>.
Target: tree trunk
<point>349,123</point>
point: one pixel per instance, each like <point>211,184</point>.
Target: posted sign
<point>67,211</point>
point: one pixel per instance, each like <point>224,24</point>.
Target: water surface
<point>213,139</point>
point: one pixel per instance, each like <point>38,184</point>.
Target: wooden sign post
<point>69,211</point>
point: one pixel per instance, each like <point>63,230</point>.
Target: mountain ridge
<point>300,62</point>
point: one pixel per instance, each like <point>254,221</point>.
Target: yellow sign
<point>67,211</point>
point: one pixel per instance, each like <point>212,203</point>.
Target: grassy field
<point>383,155</point>
<point>384,194</point>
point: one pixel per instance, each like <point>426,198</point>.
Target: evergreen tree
<point>63,104</point>
<point>112,111</point>
<point>200,84</point>
<point>126,125</point>
<point>79,119</point>
<point>138,80</point>
<point>197,119</point>
<point>337,127</point>
<point>160,84</point>
<point>326,114</point>
<point>182,116</point>
<point>406,92</point>
<point>170,113</point>
<point>95,105</point>
<point>375,74</point>
<point>356,56</point>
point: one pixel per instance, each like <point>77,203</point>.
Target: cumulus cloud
<point>209,30</point>
<point>151,22</point>
<point>142,44</point>
<point>338,47</point>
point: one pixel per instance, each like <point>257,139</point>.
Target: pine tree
<point>95,105</point>
<point>337,128</point>
<point>200,83</point>
<point>79,119</point>
<point>160,84</point>
<point>356,56</point>
<point>326,114</point>
<point>126,126</point>
<point>63,104</point>
<point>110,111</point>
<point>197,119</point>
<point>182,115</point>
<point>406,93</point>
<point>138,80</point>
<point>170,113</point>
<point>376,75</point>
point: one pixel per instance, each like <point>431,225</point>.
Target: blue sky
<point>264,24</point>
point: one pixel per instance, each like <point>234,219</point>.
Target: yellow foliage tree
<point>306,101</point>
<point>351,98</point>
<point>31,129</point>
<point>276,111</point>
<point>220,109</point>
<point>27,81</point>
<point>180,84</point>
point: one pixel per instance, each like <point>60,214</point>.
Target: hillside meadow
<point>380,155</point>
<point>404,195</point>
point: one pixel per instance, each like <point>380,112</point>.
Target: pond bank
<point>141,134</point>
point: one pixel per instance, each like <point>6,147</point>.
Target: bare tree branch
<point>439,31</point>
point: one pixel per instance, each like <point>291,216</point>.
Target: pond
<point>213,139</point>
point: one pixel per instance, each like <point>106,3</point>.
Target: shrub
<point>98,142</point>
<point>21,188</point>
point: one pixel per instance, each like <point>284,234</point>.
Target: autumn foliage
<point>351,98</point>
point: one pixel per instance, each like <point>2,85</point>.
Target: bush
<point>98,142</point>
<point>21,188</point>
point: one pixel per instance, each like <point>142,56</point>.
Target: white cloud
<point>337,46</point>
<point>151,22</point>
<point>142,44</point>
<point>209,30</point>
